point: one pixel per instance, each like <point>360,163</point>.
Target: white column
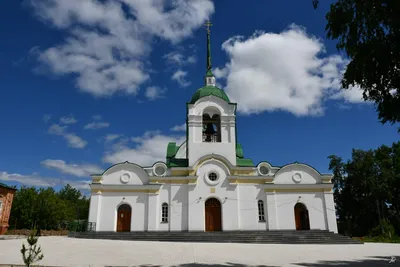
<point>95,209</point>
<point>152,212</point>
<point>330,211</point>
<point>271,211</point>
<point>196,221</point>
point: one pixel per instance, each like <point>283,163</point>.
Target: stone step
<point>265,237</point>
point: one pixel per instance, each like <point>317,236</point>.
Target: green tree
<point>22,214</point>
<point>33,253</point>
<point>47,209</point>
<point>368,31</point>
<point>367,188</point>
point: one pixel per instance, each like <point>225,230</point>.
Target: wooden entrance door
<point>213,215</point>
<point>301,217</point>
<point>124,218</point>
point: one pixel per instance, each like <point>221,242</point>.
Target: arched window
<point>211,128</point>
<point>164,213</point>
<point>261,214</point>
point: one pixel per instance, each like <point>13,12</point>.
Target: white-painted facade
<point>186,189</point>
<point>206,184</point>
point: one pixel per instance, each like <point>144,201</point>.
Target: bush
<point>387,228</point>
<point>26,232</point>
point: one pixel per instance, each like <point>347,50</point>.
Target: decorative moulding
<point>125,177</point>
<point>160,169</point>
<point>207,179</point>
<point>297,177</point>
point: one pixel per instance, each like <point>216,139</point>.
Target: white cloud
<point>154,92</point>
<point>57,129</point>
<point>179,77</point>
<point>96,117</point>
<point>46,117</point>
<point>179,128</point>
<point>111,137</point>
<point>80,170</point>
<point>36,180</point>
<point>72,139</point>
<point>96,125</point>
<point>351,95</point>
<point>145,151</point>
<point>285,71</point>
<point>109,40</point>
<point>177,58</point>
<point>68,119</point>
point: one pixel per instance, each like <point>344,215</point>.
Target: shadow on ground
<point>373,261</point>
<point>228,264</point>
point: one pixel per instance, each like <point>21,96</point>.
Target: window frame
<point>261,210</point>
<point>164,212</point>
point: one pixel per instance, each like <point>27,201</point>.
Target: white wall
<point>109,206</point>
<point>197,148</point>
<point>330,211</point>
<point>248,207</point>
<point>187,202</point>
<point>138,176</point>
<point>285,203</point>
<point>227,194</point>
<point>308,175</point>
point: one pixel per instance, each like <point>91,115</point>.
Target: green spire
<point>208,25</point>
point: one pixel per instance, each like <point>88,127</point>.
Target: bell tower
<point>211,118</point>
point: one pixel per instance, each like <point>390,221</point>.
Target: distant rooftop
<point>7,186</point>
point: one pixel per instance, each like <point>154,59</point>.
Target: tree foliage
<point>366,190</point>
<point>44,208</point>
<point>368,31</point>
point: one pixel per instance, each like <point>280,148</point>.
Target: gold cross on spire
<point>208,25</point>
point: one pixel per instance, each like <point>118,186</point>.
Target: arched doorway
<point>213,215</point>
<point>301,217</point>
<point>124,218</point>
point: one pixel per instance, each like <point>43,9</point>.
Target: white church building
<point>206,183</point>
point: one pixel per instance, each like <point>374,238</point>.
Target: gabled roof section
<point>240,160</point>
<point>172,149</point>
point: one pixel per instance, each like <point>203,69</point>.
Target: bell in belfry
<point>210,129</point>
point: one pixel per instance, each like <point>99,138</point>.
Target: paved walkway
<point>63,251</point>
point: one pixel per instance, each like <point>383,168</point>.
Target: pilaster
<point>272,217</point>
<point>330,211</point>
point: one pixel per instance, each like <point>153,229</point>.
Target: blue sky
<point>86,84</point>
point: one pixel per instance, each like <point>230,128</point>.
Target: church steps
<point>265,237</point>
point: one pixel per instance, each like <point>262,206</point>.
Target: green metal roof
<point>244,162</point>
<point>239,150</point>
<point>172,148</point>
<point>207,91</point>
<point>209,73</point>
<point>173,162</point>
<point>240,160</point>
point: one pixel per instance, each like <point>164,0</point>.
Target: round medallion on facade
<point>297,177</point>
<point>263,169</point>
<point>125,177</point>
<point>212,178</point>
<point>160,169</point>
